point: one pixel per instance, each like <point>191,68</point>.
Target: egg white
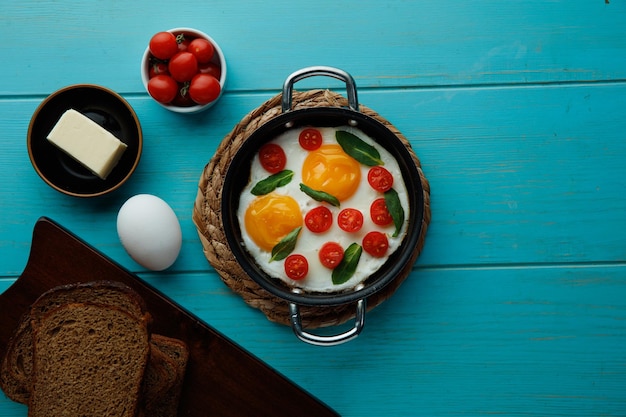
<point>318,278</point>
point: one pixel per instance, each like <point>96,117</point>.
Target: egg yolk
<point>270,218</point>
<point>333,171</point>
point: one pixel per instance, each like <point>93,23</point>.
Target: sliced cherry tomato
<point>202,49</point>
<point>296,267</point>
<point>331,254</point>
<point>380,179</point>
<point>163,45</point>
<point>310,139</point>
<point>204,88</point>
<point>272,158</point>
<point>210,68</point>
<point>319,219</point>
<point>350,220</point>
<point>183,66</point>
<point>163,88</point>
<point>376,244</point>
<point>380,213</point>
<point>157,68</point>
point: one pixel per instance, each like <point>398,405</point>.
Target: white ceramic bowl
<point>218,59</point>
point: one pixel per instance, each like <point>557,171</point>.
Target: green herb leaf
<point>346,268</point>
<point>269,184</point>
<point>395,209</point>
<point>358,149</point>
<point>286,245</point>
<point>319,195</point>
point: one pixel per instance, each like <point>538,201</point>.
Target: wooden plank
<point>395,44</point>
<point>468,341</point>
<point>475,341</point>
<point>518,175</point>
<point>452,341</point>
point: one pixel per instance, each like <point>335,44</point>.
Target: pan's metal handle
<point>296,324</point>
<point>341,75</point>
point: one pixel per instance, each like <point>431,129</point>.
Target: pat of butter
<point>87,142</point>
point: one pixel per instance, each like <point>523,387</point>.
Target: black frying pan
<point>238,175</point>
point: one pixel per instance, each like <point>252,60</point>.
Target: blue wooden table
<point>517,110</point>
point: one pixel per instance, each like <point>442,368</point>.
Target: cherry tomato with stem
<point>296,267</point>
<point>272,158</point>
<point>163,88</point>
<point>376,244</point>
<point>380,213</point>
<point>182,98</point>
<point>157,68</point>
<point>331,254</point>
<point>202,49</point>
<point>204,88</point>
<point>350,220</point>
<point>310,139</point>
<point>163,45</point>
<point>318,219</point>
<point>182,42</point>
<point>380,179</point>
<point>183,66</point>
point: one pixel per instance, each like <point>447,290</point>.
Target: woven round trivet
<point>208,220</point>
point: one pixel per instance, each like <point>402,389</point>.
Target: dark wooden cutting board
<point>222,378</point>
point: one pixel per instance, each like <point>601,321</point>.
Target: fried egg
<point>331,170</point>
<point>266,219</point>
<point>271,217</point>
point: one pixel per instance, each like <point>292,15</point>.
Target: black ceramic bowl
<point>238,175</point>
<point>106,108</point>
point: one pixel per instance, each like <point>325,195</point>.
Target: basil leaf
<point>269,184</point>
<point>395,209</point>
<point>286,245</point>
<point>319,195</point>
<point>358,149</point>
<point>344,271</point>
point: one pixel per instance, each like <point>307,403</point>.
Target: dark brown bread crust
<point>159,377</point>
<point>89,360</point>
<point>17,363</point>
<point>102,292</point>
<point>179,354</point>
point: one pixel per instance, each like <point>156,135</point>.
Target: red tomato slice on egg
<point>350,220</point>
<point>296,267</point>
<point>310,139</point>
<point>380,179</point>
<point>272,158</point>
<point>376,244</point>
<point>331,254</point>
<point>319,219</point>
<point>380,213</point>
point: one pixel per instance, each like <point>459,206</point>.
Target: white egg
<point>308,244</point>
<point>149,231</point>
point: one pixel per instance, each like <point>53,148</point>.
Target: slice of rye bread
<point>16,365</point>
<point>88,360</point>
<point>167,405</point>
<point>160,376</point>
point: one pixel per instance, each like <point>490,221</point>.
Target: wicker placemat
<point>207,217</point>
